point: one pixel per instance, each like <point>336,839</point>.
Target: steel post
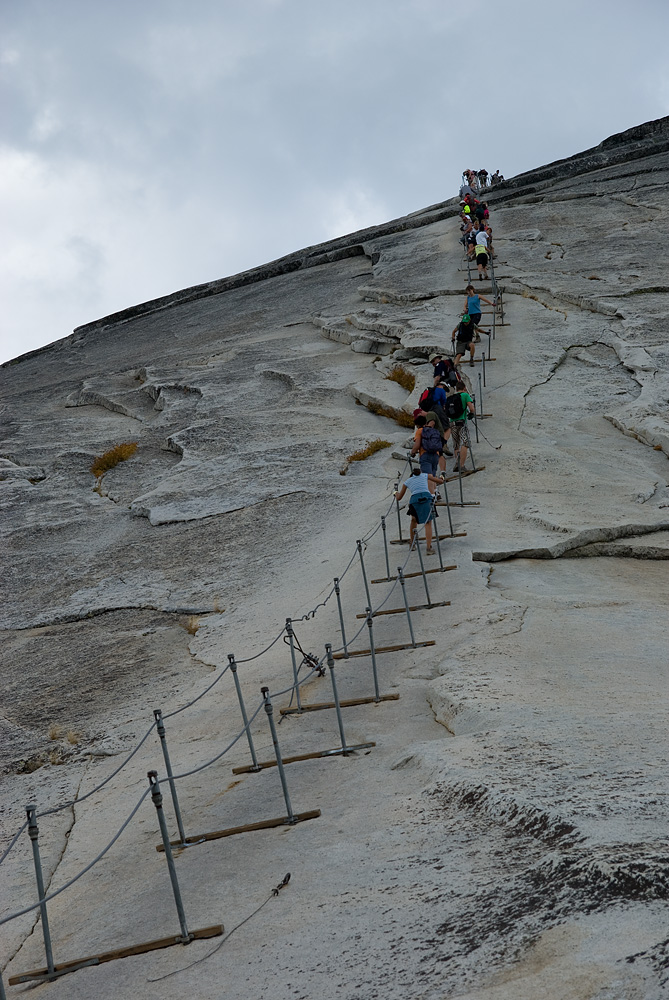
<point>448,507</point>
<point>341,616</point>
<point>385,545</point>
<point>277,753</point>
<point>480,396</point>
<point>3,995</point>
<point>240,697</point>
<point>399,519</point>
<point>291,640</point>
<point>471,450</point>
<point>160,727</point>
<point>157,799</point>
<point>335,694</point>
<point>33,833</point>
<point>364,573</point>
<point>422,568</point>
<point>400,577</point>
<point>462,499</point>
<point>483,364</point>
<point>433,516</point>
<point>494,314</point>
<point>370,626</point>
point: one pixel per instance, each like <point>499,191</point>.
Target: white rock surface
<point>506,836</point>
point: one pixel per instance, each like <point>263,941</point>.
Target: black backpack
<point>430,440</point>
<point>455,406</point>
<point>425,401</point>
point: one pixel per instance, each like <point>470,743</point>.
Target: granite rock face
<point>505,838</point>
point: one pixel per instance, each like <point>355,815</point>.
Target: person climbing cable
<point>465,331</point>
<point>459,405</point>
<point>481,252</point>
<point>421,486</point>
<point>473,307</point>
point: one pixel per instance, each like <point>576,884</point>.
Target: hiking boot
<point>429,551</point>
<point>471,364</point>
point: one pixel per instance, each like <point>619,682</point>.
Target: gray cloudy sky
<point>148,145</point>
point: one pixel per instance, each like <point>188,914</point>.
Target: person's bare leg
<point>412,530</point>
<point>428,536</point>
<point>471,355</point>
<point>462,457</point>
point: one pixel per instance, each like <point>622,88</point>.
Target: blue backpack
<point>430,440</point>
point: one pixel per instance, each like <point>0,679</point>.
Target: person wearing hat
<point>442,368</point>
<point>465,331</point>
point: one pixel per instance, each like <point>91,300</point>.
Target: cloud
<point>147,147</point>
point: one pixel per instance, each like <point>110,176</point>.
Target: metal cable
<point>73,802</point>
<point>14,839</point>
<point>201,767</point>
<point>262,652</point>
<point>75,878</point>
<point>201,695</point>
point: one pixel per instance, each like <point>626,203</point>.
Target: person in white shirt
<point>481,251</point>
<point>421,487</point>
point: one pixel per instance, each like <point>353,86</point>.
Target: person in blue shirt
<point>473,304</point>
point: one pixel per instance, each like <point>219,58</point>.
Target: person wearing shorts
<point>429,460</point>
<point>420,486</point>
<point>481,254</point>
<point>473,307</point>
<point>459,429</point>
<point>465,332</point>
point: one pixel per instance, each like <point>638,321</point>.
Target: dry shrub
<point>593,277</point>
<point>402,377</point>
<point>111,458</point>
<point>192,624</point>
<point>73,738</point>
<point>400,416</point>
<point>371,448</point>
<point>55,731</point>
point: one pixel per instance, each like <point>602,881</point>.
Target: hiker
<point>431,404</point>
<point>483,178</point>
<point>444,369</point>
<point>481,252</point>
<point>466,332</point>
<point>421,506</point>
<point>470,240</point>
<point>428,443</point>
<point>459,405</point>
<point>473,307</point>
<point>441,424</point>
<point>491,249</point>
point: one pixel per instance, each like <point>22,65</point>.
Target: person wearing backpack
<point>428,444</point>
<point>443,368</point>
<point>421,504</point>
<point>458,407</point>
<point>465,331</point>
